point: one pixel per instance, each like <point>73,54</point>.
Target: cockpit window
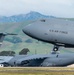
<point>42,20</point>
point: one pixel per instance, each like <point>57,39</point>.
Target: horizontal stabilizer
<point>9,34</point>
<point>4,34</point>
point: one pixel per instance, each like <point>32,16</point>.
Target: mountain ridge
<point>24,17</point>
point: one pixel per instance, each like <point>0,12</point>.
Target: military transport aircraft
<point>58,32</point>
<point>49,60</point>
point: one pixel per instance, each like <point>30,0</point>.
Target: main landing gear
<point>55,49</point>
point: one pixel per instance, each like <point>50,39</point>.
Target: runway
<point>37,71</point>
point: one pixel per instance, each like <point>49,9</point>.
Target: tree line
<point>12,53</point>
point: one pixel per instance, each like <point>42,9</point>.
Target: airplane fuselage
<point>48,60</point>
<point>55,31</point>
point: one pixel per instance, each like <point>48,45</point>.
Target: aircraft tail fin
<point>2,35</point>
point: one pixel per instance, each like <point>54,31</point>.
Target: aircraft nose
<point>28,29</point>
<point>25,30</point>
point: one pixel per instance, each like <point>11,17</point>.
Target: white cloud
<point>61,8</point>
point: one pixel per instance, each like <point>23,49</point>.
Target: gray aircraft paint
<point>17,60</point>
<point>54,30</point>
<point>48,60</point>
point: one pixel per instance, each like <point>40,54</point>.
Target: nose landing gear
<point>55,49</point>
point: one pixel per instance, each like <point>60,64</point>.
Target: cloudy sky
<point>59,8</point>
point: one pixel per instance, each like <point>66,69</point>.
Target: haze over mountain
<point>24,17</point>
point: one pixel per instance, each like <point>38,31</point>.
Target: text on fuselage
<point>57,31</point>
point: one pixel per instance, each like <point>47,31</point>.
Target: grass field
<point>37,71</point>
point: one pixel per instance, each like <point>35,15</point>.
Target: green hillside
<point>17,43</point>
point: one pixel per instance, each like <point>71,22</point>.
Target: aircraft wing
<point>10,34</point>
<point>32,59</point>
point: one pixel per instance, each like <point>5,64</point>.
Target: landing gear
<point>55,49</point>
